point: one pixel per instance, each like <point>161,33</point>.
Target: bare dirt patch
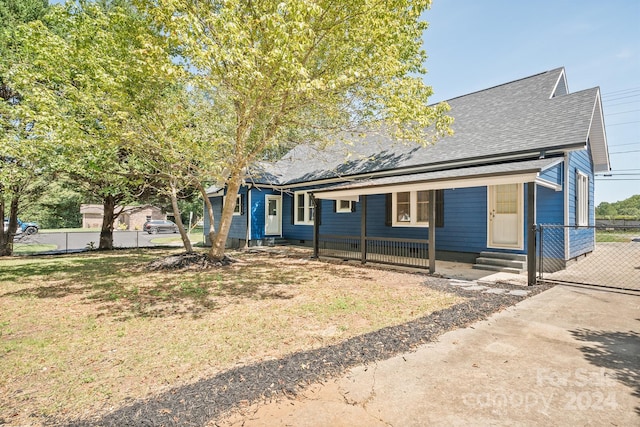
<point>87,334</point>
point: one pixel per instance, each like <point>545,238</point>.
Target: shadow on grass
<point>618,351</point>
<point>120,286</point>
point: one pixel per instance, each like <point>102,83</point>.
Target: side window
<point>344,206</point>
<point>411,208</point>
<point>582,199</point>
<point>238,209</point>
<point>303,208</point>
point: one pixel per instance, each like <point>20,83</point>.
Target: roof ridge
<point>504,84</point>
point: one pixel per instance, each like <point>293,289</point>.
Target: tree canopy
<point>292,72</point>
<point>629,207</point>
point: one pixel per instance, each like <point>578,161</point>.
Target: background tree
<point>628,208</point>
<point>22,136</point>
<point>295,71</point>
<point>174,132</point>
<point>92,61</point>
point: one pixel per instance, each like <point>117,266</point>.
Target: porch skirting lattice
<point>395,251</point>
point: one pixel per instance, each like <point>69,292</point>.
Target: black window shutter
<point>242,203</point>
<point>387,210</point>
<point>353,206</point>
<point>293,209</point>
<point>439,208</point>
<point>335,206</point>
<point>317,213</point>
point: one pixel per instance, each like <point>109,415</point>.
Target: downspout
<point>531,236</point>
<point>248,208</point>
<point>566,206</point>
<point>316,228</point>
<point>432,232</point>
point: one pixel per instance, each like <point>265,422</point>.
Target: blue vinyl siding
<point>553,174</point>
<point>582,240</point>
<point>550,210</point>
<point>257,212</point>
<point>238,228</point>
<point>290,231</point>
<point>465,223</point>
<point>550,206</point>
<point>259,204</point>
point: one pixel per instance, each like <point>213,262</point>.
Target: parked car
<point>23,227</point>
<point>159,226</point>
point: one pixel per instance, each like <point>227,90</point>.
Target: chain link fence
<point>78,241</point>
<point>599,256</point>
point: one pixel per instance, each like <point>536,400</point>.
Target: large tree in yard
<point>91,61</point>
<point>22,146</point>
<point>286,72</point>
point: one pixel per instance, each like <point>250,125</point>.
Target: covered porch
<point>419,250</point>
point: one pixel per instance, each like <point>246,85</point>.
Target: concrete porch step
<point>503,255</point>
<point>501,262</point>
<point>497,268</point>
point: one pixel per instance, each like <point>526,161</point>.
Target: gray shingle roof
<point>516,117</point>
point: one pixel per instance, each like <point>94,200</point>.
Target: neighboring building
<point>523,153</point>
<point>131,217</point>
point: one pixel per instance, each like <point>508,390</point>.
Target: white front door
<point>505,216</point>
<point>273,215</point>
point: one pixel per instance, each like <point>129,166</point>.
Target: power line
<point>632,89</point>
<point>624,152</point>
<point>624,123</point>
<point>621,112</point>
<point>626,143</point>
<point>618,179</point>
<point>622,103</point>
<point>621,97</point>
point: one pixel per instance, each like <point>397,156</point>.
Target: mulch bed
<point>208,399</point>
<point>187,260</point>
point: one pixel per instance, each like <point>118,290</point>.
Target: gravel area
<point>209,399</point>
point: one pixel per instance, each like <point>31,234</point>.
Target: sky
<point>473,45</point>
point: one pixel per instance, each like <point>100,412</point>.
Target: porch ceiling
<point>504,173</point>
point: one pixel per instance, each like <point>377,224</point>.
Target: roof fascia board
<point>431,167</point>
<point>596,114</point>
<point>548,184</point>
<point>446,183</point>
<point>562,77</point>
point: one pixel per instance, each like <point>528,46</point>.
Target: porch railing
<point>395,251</point>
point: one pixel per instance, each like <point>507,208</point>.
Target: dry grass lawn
<point>85,333</point>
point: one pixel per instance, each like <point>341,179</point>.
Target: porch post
<point>316,228</point>
<point>432,231</point>
<point>531,233</point>
<point>363,229</point>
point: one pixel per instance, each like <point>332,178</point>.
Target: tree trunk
<point>176,214</point>
<point>106,232</point>
<point>208,211</point>
<point>216,253</point>
<point>6,238</point>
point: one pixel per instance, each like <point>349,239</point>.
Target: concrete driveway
<point>568,356</point>
<point>615,265</point>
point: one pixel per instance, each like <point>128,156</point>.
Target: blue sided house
<point>523,153</point>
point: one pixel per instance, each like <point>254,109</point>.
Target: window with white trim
<point>303,208</point>
<point>238,209</point>
<point>582,199</point>
<point>344,206</point>
<point>410,208</point>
